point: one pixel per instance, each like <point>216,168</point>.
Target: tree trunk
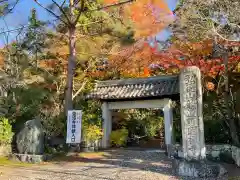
<point>71,69</point>
<point>229,118</point>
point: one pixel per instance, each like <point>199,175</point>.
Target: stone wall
<point>223,152</point>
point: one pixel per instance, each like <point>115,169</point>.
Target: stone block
<point>208,149</point>
<point>198,169</point>
<point>215,154</point>
<point>217,147</point>
<point>180,154</point>
<point>29,158</point>
<point>227,147</point>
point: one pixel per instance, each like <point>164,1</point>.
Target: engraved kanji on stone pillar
<point>191,114</point>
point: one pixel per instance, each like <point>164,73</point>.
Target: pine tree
<point>34,40</point>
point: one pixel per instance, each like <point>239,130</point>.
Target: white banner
<point>74,126</point>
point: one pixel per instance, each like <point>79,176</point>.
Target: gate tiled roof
<point>152,87</point>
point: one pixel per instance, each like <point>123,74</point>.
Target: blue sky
<point>22,10</point>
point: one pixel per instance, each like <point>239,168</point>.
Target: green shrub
<point>92,133</point>
<point>119,137</point>
<point>142,123</point>
<point>153,126</point>
<point>211,158</point>
<point>6,133</point>
<point>49,150</point>
<point>151,130</point>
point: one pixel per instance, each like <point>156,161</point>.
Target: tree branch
<point>63,3</point>
<point>80,89</point>
<point>51,12</point>
<point>79,12</point>
<point>221,36</point>
<point>79,25</point>
<point>13,30</point>
<point>116,4</point>
<point>2,1</point>
<point>111,5</point>
<point>18,28</point>
<point>62,10</point>
<point>11,9</point>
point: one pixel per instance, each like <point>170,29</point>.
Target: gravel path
<point>119,165</point>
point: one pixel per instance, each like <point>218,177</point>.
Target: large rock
<point>30,140</point>
<point>199,169</point>
<point>236,154</point>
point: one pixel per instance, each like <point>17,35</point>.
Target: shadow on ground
<point>134,159</point>
<point>152,161</point>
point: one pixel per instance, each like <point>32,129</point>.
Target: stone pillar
<point>191,114</point>
<point>194,164</point>
<point>107,125</point>
<point>168,127</point>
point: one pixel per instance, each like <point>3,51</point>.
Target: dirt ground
<point>110,165</point>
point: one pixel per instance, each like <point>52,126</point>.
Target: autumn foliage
<point>148,16</point>
<point>141,59</point>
